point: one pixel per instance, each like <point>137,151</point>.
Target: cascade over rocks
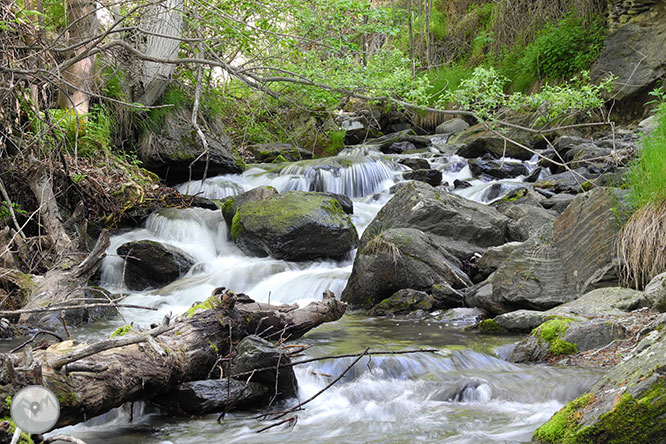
<point>295,225</point>
<point>562,261</point>
<point>170,149</point>
<point>150,264</point>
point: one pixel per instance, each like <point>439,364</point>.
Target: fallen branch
<point>290,419</point>
<point>71,307</point>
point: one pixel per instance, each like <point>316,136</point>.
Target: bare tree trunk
<point>426,19</point>
<point>164,23</point>
<point>411,37</point>
<point>141,365</point>
<point>83,24</point>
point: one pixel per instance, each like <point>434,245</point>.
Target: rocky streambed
<point>501,258</point>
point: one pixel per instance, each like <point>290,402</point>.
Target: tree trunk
<point>79,77</point>
<point>144,364</point>
<point>164,24</point>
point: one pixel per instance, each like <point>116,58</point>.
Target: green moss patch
<point>121,331</point>
<point>563,426</point>
<point>552,331</point>
<point>489,326</point>
<point>210,303</point>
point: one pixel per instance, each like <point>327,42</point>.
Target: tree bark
<point>164,23</point>
<point>79,77</point>
<point>146,364</point>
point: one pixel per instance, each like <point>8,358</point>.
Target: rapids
<point>463,394</point>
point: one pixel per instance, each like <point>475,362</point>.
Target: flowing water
<point>462,394</point>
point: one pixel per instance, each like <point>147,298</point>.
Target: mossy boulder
<point>150,264</point>
<point>404,301</point>
<point>296,226</point>
<point>231,205</point>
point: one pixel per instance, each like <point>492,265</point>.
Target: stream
<point>463,394</point>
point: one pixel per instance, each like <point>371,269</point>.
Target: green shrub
<point>560,51</point>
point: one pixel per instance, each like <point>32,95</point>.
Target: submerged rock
<point>295,225</point>
<point>150,264</point>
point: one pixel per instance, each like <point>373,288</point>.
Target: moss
<point>632,420</point>
<point>552,331</point>
<point>227,206</point>
<point>489,326</point>
<point>210,303</point>
<point>562,427</point>
<point>214,347</point>
<point>236,227</point>
<point>121,331</point>
<point>515,195</point>
<point>280,159</point>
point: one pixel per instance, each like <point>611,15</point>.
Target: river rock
<point>593,334</point>
<point>493,258</point>
<point>626,405</point>
<point>231,205</point>
<point>400,258</point>
<point>608,301</point>
<point>269,152</point>
<point>477,141</point>
<point>383,143</point>
<point>559,263</point>
<point>634,51</point>
<point>416,163</point>
<point>170,150</point>
<point>567,182</point>
<point>491,168</point>
<point>558,202</point>
<point>655,292</point>
<point>441,213</point>
<point>296,226</point>
<point>398,147</point>
<point>431,177</point>
<point>521,321</point>
<point>446,296</point>
<point>150,264</point>
<point>525,219</point>
<point>253,353</point>
<point>212,396</point>
<point>404,301</point>
<point>451,126</point>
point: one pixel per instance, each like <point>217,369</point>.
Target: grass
<point>642,242</point>
<point>446,78</point>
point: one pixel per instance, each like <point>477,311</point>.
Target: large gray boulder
<point>213,396</point>
<point>170,149</point>
<point>563,260</point>
<point>634,51</point>
<point>150,264</point>
<point>400,258</point>
<point>253,353</point>
<point>295,226</point>
<point>451,126</point>
<point>478,141</point>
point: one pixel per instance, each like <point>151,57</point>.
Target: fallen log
<point>91,379</point>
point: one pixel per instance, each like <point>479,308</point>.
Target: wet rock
<point>400,258</point>
<point>451,126</point>
<point>416,163</point>
<point>385,142</point>
<point>558,202</point>
<point>477,141</point>
<point>213,396</point>
<point>655,292</point>
<point>404,301</point>
<point>446,296</point>
<point>150,264</point>
<point>398,148</point>
<point>345,202</point>
<point>439,212</point>
<point>559,263</point>
<point>431,177</point>
<point>461,184</point>
<point>232,204</point>
<point>254,353</point>
<point>530,349</point>
<point>491,168</point>
<point>170,150</point>
<point>521,321</point>
<point>269,152</point>
<point>627,404</point>
<point>295,225</point>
